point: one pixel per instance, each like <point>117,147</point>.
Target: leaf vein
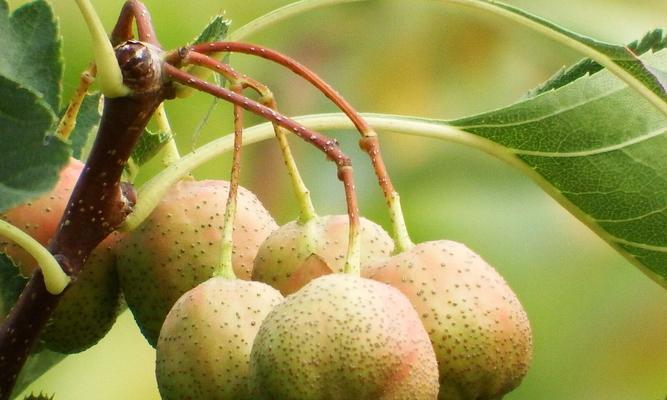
<point>585,153</point>
<point>555,113</point>
<point>636,218</point>
<point>643,246</point>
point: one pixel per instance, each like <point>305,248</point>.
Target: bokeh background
<point>600,325</point>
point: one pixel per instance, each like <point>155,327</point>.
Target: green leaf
<point>30,166</point>
<point>216,30</point>
<point>654,40</point>
<point>37,365</point>
<point>31,48</point>
<point>87,122</point>
<point>11,285</point>
<point>601,150</point>
<point>150,143</point>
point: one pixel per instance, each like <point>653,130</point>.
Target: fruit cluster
<point>323,307</point>
<point>432,321</point>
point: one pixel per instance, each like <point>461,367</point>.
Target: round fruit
<point>39,218</point>
<point>204,347</point>
<point>90,304</point>
<point>178,247</point>
<point>88,308</point>
<point>343,337</point>
<point>297,253</point>
<point>480,332</point>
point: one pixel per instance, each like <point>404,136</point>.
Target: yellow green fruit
<point>89,307</point>
<point>40,217</point>
<point>343,337</point>
<point>203,351</point>
<point>285,260</point>
<point>178,247</point>
<point>480,331</point>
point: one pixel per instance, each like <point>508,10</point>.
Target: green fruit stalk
<point>343,337</point>
<point>89,306</point>
<point>204,347</point>
<point>480,332</point>
<point>178,247</point>
<point>285,258</point>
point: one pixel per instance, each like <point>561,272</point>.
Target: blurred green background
<point>600,325</point>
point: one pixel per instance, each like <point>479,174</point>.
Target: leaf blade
<point>30,166</point>
<point>601,150</point>
<point>32,53</point>
<point>654,40</point>
<point>87,121</point>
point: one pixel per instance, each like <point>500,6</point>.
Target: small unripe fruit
<point>296,253</point>
<point>480,332</point>
<point>178,246</point>
<point>343,337</point>
<point>89,306</point>
<point>204,347</point>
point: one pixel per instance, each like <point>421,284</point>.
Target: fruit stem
<point>306,208</point>
<point>307,211</point>
<point>323,143</point>
<point>369,141</point>
<point>170,153</point>
<point>326,145</point>
<point>68,121</point>
<point>402,241</point>
<point>109,75</point>
<point>98,205</point>
<point>226,270</point>
<point>353,258</point>
<point>55,279</point>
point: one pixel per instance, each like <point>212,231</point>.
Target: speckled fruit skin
<point>343,337</point>
<point>89,307</point>
<point>480,332</point>
<point>39,218</point>
<point>281,259</point>
<point>178,247</point>
<point>204,347</point>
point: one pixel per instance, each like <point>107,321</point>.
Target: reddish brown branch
<point>98,205</point>
<point>327,145</point>
<point>236,157</point>
<point>134,11</point>
<point>369,141</point>
<point>294,66</point>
